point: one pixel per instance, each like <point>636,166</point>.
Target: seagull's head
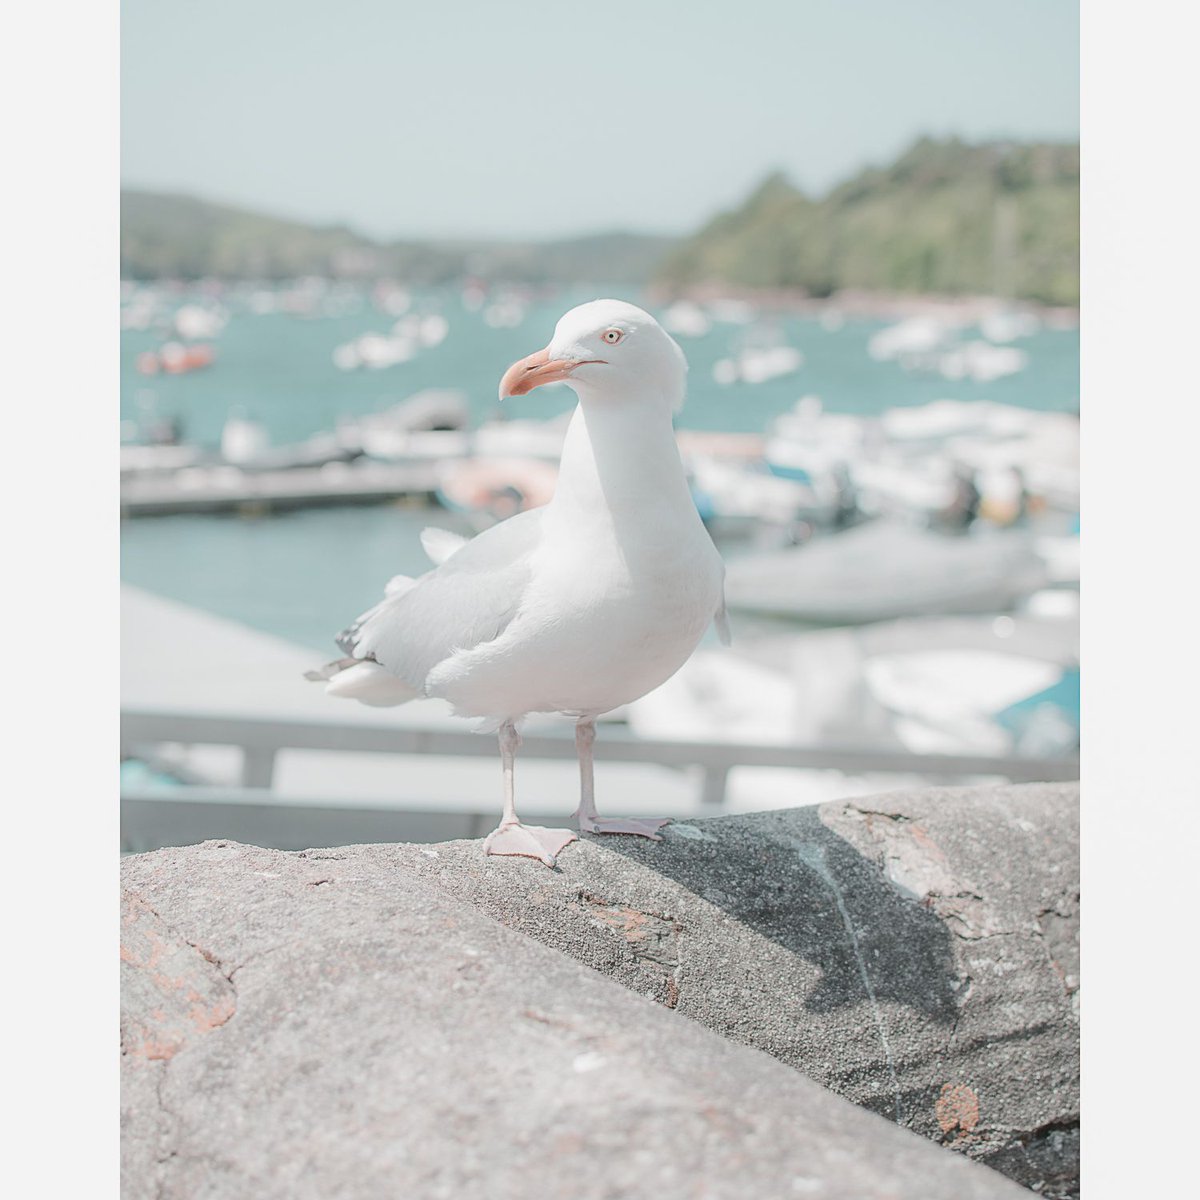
<point>605,348</point>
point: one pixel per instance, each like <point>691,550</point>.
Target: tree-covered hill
<point>181,237</point>
<point>946,217</point>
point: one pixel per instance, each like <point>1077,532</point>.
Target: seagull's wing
<point>468,600</point>
<point>439,544</point>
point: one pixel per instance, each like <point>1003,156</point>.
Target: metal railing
<point>262,738</point>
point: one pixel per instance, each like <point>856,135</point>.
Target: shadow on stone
<point>916,953</point>
<point>795,881</point>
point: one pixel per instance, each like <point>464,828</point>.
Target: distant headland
<point>947,218</point>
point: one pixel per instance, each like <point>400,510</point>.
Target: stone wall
<point>359,1022</point>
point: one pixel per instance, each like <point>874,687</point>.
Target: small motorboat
<point>758,364</point>
<point>685,319</point>
<point>496,487</point>
<point>174,358</point>
<point>430,422</point>
<point>887,569</point>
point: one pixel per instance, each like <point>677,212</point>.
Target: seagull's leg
<point>585,814</point>
<point>511,837</point>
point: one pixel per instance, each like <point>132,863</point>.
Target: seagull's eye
<point>613,336</point>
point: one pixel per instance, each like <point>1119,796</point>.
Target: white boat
<point>685,319</point>
<point>1008,325</point>
<point>914,335</point>
<point>813,447</point>
<point>422,331</point>
<point>887,569</point>
<point>808,422</point>
<point>891,485</point>
<point>141,459</point>
<point>933,423</point>
<point>931,343</point>
<point>199,323</point>
<point>521,438</point>
<point>947,701</point>
<point>243,441</point>
<point>994,440</point>
<point>428,423</point>
<point>742,492</point>
<point>758,364</point>
<point>938,685</point>
<point>242,446</point>
<point>978,361</point>
<point>374,351</point>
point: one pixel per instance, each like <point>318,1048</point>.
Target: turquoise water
<point>279,369</point>
<point>302,575</point>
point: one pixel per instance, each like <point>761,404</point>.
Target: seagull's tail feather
<point>364,681</point>
<point>329,670</point>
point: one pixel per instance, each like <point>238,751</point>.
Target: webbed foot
<point>529,841</point>
<point>646,829</point>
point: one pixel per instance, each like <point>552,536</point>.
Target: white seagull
<point>577,607</point>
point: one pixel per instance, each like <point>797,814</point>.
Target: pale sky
<point>537,118</point>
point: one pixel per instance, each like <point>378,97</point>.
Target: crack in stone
<point>813,856</point>
<point>210,1007</point>
<point>166,1151</point>
<point>169,1131</point>
<point>856,810</point>
<point>204,953</point>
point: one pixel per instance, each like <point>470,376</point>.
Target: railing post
<point>712,790</point>
<point>258,766</point>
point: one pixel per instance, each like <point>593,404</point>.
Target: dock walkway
<point>227,488</point>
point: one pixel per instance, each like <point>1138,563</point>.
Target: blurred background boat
<point>887,569</point>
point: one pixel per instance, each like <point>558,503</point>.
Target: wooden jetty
<point>225,488</point>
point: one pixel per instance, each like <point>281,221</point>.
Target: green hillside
<point>946,217</point>
<point>181,237</point>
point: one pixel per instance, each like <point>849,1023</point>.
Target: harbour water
<point>300,575</point>
<point>279,369</point>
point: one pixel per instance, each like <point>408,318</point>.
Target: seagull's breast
<point>601,625</point>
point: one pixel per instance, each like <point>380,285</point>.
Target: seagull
<point>576,607</point>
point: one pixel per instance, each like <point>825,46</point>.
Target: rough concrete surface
<point>326,1024</point>
<point>916,953</point>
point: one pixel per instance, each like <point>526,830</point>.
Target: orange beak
<point>533,371</point>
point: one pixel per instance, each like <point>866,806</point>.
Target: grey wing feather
<point>470,599</point>
<point>347,640</point>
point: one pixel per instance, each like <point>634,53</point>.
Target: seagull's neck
<point>621,466</point>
